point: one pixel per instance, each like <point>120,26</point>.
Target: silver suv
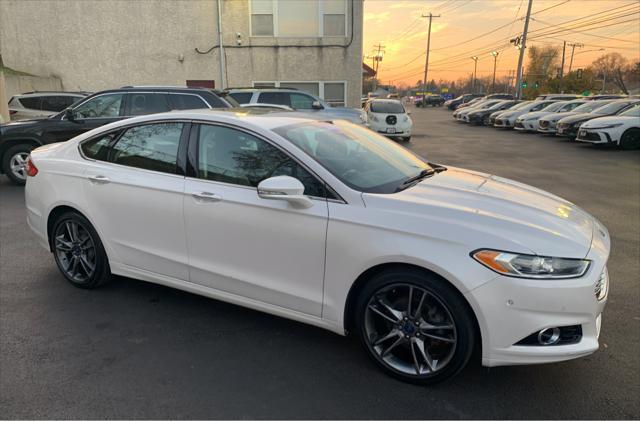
<point>41,104</point>
<point>297,100</point>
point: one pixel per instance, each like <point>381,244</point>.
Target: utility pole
<point>523,46</point>
<point>377,58</point>
<point>564,48</point>
<point>475,68</point>
<point>426,62</point>
<point>495,62</point>
<point>573,48</point>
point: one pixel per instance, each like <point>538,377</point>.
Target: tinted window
<point>242,97</point>
<point>301,101</point>
<point>56,103</point>
<point>590,106</point>
<point>390,107</point>
<point>186,102</point>
<point>235,157</point>
<point>539,105</point>
<point>613,108</point>
<point>152,147</point>
<point>632,112</point>
<point>102,106</point>
<point>98,148</point>
<point>141,104</point>
<point>32,102</point>
<point>280,98</point>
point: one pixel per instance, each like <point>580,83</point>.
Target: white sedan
<point>508,118</point>
<point>389,118</point>
<point>622,130</point>
<point>529,122</point>
<point>330,224</point>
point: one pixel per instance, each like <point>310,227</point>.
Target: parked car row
<point>602,121</point>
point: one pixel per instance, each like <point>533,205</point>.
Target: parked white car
<point>508,118</point>
<point>330,224</point>
<point>547,124</point>
<point>389,118</point>
<point>463,113</point>
<point>529,122</point>
<point>622,130</point>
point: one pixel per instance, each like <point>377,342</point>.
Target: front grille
<point>391,120</point>
<point>594,137</point>
<point>498,122</point>
<point>519,125</point>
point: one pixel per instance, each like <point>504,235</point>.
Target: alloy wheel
<point>410,329</point>
<point>18,163</point>
<point>75,251</point>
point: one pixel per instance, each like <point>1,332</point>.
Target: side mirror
<point>286,188</point>
<point>316,105</point>
<point>69,114</point>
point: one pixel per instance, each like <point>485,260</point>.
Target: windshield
<point>612,108</point>
<point>554,106</point>
<point>568,106</point>
<point>386,107</point>
<point>520,105</point>
<point>360,158</point>
<point>497,105</point>
<point>590,106</point>
<point>632,112</point>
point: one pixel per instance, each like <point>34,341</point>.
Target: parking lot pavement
<point>137,350</point>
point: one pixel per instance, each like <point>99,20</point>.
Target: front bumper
<point>594,136</point>
<point>566,131</point>
<point>503,123</point>
<point>526,125</point>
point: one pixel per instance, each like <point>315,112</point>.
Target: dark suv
<point>18,138</point>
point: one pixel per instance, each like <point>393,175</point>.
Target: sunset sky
<point>610,24</point>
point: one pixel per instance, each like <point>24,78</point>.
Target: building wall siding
<point>99,44</point>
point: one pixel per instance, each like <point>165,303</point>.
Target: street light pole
<point>523,46</point>
<point>495,62</point>
<point>426,62</point>
<point>475,68</point>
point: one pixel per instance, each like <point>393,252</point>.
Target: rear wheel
<point>406,138</point>
<point>415,326</point>
<point>630,139</point>
<point>14,162</point>
<point>78,251</point>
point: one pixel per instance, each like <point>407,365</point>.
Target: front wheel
<point>630,139</point>
<point>78,251</point>
<point>14,163</point>
<point>415,326</point>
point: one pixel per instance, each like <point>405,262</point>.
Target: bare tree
<point>613,67</point>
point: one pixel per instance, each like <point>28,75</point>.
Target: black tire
<point>19,151</point>
<point>101,272</point>
<point>630,139</point>
<point>445,295</point>
<point>406,139</point>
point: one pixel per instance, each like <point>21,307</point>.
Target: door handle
<point>206,196</point>
<point>99,179</point>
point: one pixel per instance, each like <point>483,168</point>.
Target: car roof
<point>52,93</point>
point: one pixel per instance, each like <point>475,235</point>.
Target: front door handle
<point>99,179</point>
<point>206,196</point>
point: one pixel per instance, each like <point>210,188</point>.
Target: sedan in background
<point>452,104</point>
<point>529,122</point>
<point>462,114</point>
<point>330,224</point>
<point>622,130</point>
<point>547,123</point>
<point>508,118</point>
<point>495,114</point>
<point>482,116</point>
<point>568,126</point>
<point>389,118</point>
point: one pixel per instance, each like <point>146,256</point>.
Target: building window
<point>333,93</point>
<point>299,18</point>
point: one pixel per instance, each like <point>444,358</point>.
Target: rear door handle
<point>99,179</point>
<point>206,196</point>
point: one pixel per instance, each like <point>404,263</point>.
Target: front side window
<point>235,157</point>
<point>102,106</point>
<point>632,112</point>
<point>150,147</point>
<point>301,102</point>
<point>148,103</point>
<point>360,158</point>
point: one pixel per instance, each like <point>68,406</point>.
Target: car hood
<point>604,121</point>
<point>576,118</point>
<point>490,212</point>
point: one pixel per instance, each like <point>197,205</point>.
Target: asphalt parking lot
<point>137,350</point>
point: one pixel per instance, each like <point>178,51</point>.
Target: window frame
<point>320,83</point>
<point>181,161</point>
<point>274,13</point>
<point>193,155</point>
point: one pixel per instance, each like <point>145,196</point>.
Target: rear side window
<point>32,102</point>
<point>242,97</point>
<point>148,103</point>
<point>98,148</point>
<point>54,103</point>
<point>279,98</point>
<point>150,147</point>
<point>186,102</point>
<point>301,102</point>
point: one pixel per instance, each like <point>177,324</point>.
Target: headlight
<point>530,266</point>
<point>406,118</point>
<point>608,126</point>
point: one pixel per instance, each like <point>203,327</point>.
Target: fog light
<point>602,285</point>
<point>549,336</point>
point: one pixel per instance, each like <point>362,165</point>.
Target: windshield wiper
<point>428,172</point>
<point>437,167</point>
